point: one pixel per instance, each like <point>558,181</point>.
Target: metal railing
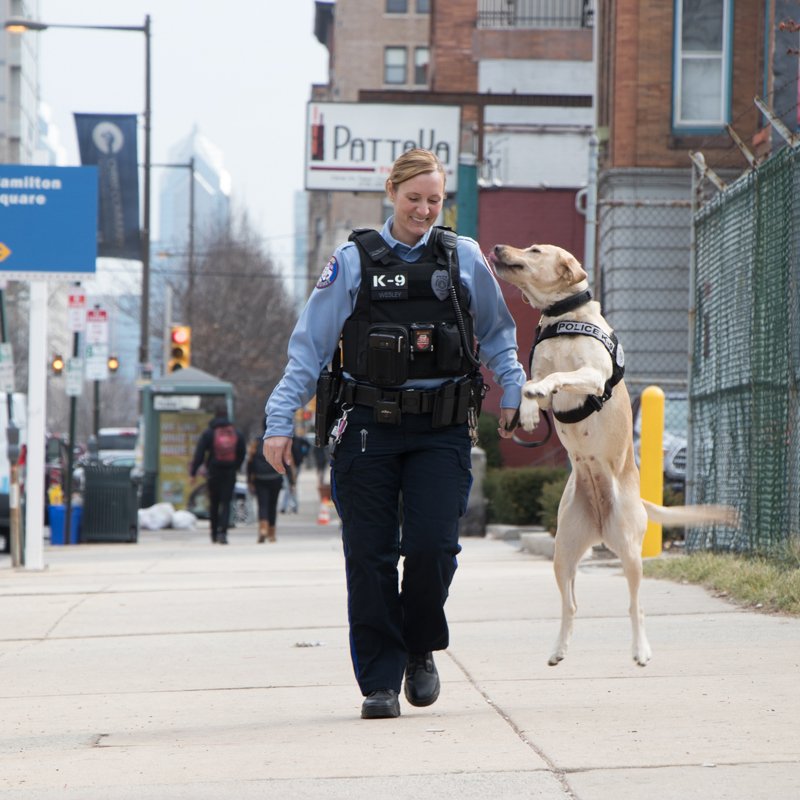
<point>533,14</point>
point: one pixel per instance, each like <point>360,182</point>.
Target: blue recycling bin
<point>58,515</point>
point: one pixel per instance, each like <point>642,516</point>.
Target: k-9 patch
<point>388,284</point>
<point>329,274</point>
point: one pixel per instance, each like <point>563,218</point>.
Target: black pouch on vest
<point>463,396</point>
<point>448,351</point>
<point>328,391</point>
<point>387,412</point>
<point>387,355</point>
<point>444,405</point>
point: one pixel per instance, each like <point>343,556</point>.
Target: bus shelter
<point>176,410</point>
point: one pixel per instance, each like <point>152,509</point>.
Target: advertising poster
<point>178,435</point>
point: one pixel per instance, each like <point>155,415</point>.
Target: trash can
<point>110,504</point>
<point>58,516</point>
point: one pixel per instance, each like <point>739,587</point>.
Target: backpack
<point>223,447</point>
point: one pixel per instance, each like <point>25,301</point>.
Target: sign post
<point>48,231</point>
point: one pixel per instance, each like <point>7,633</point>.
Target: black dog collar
<point>568,304</point>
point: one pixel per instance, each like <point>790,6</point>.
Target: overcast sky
<point>241,70</point>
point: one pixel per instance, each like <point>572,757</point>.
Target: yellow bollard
<point>651,463</point>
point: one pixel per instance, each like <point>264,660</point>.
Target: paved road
<point>176,669</point>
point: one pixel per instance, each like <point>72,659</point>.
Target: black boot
<point>422,680</point>
<point>380,704</point>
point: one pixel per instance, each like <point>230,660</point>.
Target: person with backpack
<point>221,450</point>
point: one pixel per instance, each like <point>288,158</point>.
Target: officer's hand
<point>278,451</point>
<point>509,417</point>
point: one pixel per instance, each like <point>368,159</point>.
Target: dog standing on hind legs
<point>576,370</point>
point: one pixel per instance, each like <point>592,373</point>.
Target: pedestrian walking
<point>220,451</point>
<point>290,500</point>
<point>265,483</point>
<point>408,304</point>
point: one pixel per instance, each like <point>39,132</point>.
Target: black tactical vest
<point>404,325</point>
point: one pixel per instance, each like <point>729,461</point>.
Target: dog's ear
<point>571,268</point>
<point>524,297</point>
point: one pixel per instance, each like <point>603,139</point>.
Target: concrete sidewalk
<point>174,668</point>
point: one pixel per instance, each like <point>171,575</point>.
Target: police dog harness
<point>574,328</point>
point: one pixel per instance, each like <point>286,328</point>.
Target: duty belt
<point>411,401</point>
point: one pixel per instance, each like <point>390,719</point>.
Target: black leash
<point>522,442</point>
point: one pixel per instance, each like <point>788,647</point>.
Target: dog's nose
<point>497,249</point>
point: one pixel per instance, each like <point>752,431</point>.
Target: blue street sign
<point>48,222</point>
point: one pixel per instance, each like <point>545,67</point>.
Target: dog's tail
<point>674,516</point>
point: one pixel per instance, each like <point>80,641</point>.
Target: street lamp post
<point>19,25</point>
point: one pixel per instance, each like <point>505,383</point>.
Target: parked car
<point>676,427</point>
<point>112,442</point>
<point>116,447</point>
<point>241,506</point>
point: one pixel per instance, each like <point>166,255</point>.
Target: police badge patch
<point>440,283</point>
<point>329,274</point>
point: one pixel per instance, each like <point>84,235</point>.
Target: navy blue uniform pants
<point>399,490</point>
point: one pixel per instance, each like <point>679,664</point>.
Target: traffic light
<point>57,365</point>
<point>113,363</point>
<point>180,353</point>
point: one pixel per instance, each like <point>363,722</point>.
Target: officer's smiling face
<point>417,203</point>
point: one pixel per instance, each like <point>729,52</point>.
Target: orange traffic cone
<point>324,515</point>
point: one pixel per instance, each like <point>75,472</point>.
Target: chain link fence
<point>644,225</point>
<point>746,359</point>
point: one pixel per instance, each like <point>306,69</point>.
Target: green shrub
<point>550,498</point>
<point>514,495</point>
<point>489,439</point>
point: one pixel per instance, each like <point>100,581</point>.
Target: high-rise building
<point>212,188</point>
<point>297,282</point>
<point>19,87</point>
<point>193,201</point>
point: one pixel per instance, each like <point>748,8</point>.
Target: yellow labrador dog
<point>576,370</point>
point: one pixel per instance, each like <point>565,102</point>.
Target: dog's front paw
<point>536,390</point>
<point>642,653</point>
<point>528,413</point>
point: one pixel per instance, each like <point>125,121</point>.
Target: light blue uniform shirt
<point>316,335</point>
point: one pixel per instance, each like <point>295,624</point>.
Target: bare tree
<point>241,317</point>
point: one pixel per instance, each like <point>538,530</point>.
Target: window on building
<point>701,90</point>
<point>396,7</point>
<point>421,59</point>
<point>394,65</point>
<point>423,6</point>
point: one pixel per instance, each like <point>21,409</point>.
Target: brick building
<point>522,74</point>
<point>671,78</point>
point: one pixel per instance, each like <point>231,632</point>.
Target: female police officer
<point>401,445</point>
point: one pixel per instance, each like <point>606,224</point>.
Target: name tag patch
<point>388,285</point>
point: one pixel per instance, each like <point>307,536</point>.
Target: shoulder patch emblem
<point>328,275</point>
